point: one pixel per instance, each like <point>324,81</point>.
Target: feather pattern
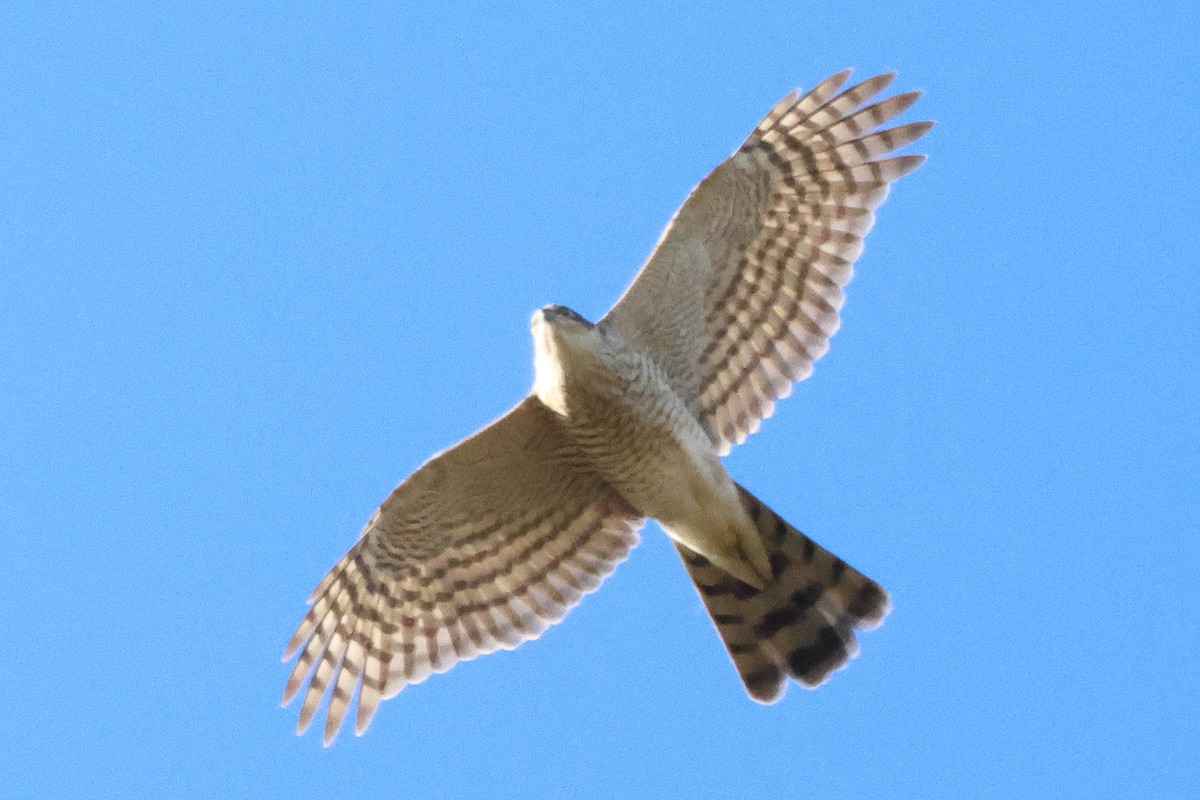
<point>801,624</point>
<point>479,550</point>
<point>743,291</point>
<point>497,537</point>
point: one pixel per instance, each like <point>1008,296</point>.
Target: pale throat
<point>548,378</point>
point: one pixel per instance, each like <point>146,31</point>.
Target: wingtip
<point>362,719</point>
<point>335,714</point>
<point>290,690</point>
<point>330,735</point>
<point>827,87</point>
<point>307,712</point>
<point>906,164</point>
<point>881,81</point>
<point>903,135</point>
<point>902,102</point>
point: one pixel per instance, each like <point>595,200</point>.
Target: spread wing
<point>743,290</point>
<point>480,549</point>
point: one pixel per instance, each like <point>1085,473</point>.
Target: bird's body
<point>498,536</point>
<point>619,410</point>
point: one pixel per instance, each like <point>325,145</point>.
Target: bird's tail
<point>802,623</point>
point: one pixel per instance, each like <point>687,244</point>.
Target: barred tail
<point>802,623</point>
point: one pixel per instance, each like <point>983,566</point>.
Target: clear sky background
<point>257,262</point>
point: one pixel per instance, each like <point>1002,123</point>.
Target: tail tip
<point>869,605</point>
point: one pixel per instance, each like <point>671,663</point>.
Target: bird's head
<point>560,328</point>
<point>563,342</point>
<point>560,317</point>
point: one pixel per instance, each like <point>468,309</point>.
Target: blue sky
<point>258,261</point>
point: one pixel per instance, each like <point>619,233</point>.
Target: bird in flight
<point>495,538</point>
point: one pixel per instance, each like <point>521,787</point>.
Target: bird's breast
<point>640,436</point>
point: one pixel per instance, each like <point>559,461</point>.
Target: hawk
<point>497,537</point>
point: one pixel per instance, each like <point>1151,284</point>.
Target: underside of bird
<point>497,537</point>
<point>782,604</point>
